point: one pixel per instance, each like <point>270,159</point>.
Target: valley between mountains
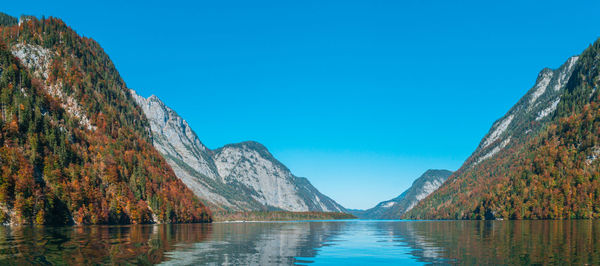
<point>77,146</point>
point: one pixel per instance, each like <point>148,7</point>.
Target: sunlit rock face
<point>529,115</point>
<point>38,59</point>
<point>239,177</point>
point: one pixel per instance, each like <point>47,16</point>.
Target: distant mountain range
<point>396,207</point>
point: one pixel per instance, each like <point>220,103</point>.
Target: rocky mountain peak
<point>528,115</point>
<point>249,145</point>
<point>173,137</point>
<point>434,173</point>
<point>241,176</point>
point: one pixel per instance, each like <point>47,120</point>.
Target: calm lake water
<point>349,242</point>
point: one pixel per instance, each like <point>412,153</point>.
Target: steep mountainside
<point>396,207</point>
<point>189,158</point>
<point>237,177</point>
<point>75,146</point>
<point>531,113</point>
<point>538,161</point>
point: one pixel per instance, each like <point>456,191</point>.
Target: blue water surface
<point>346,242</point>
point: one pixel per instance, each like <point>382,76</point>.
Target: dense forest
<point>552,175</point>
<point>74,147</point>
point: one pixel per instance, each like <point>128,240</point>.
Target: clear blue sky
<point>361,97</point>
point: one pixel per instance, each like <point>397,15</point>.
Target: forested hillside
<point>553,174</point>
<point>75,148</point>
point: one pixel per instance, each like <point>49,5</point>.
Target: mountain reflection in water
<point>317,242</point>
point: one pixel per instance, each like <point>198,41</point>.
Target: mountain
<point>74,146</point>
<point>539,160</point>
<point>188,157</point>
<point>237,177</point>
<point>529,115</point>
<point>420,188</point>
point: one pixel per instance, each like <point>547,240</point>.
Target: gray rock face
<point>528,115</point>
<point>237,177</point>
<point>185,153</point>
<point>250,165</point>
<point>394,208</point>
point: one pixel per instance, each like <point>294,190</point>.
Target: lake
<point>347,242</point>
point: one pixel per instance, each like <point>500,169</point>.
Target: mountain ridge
<point>547,169</point>
<point>242,176</point>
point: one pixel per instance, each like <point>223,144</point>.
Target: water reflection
<point>95,244</point>
<point>503,242</point>
<point>332,242</point>
<point>259,243</point>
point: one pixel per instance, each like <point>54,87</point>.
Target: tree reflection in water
<point>138,244</point>
<point>363,242</point>
<point>500,242</point>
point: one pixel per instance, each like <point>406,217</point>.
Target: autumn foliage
<point>57,169</point>
<point>552,175</point>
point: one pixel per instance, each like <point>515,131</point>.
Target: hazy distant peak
<point>428,182</point>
